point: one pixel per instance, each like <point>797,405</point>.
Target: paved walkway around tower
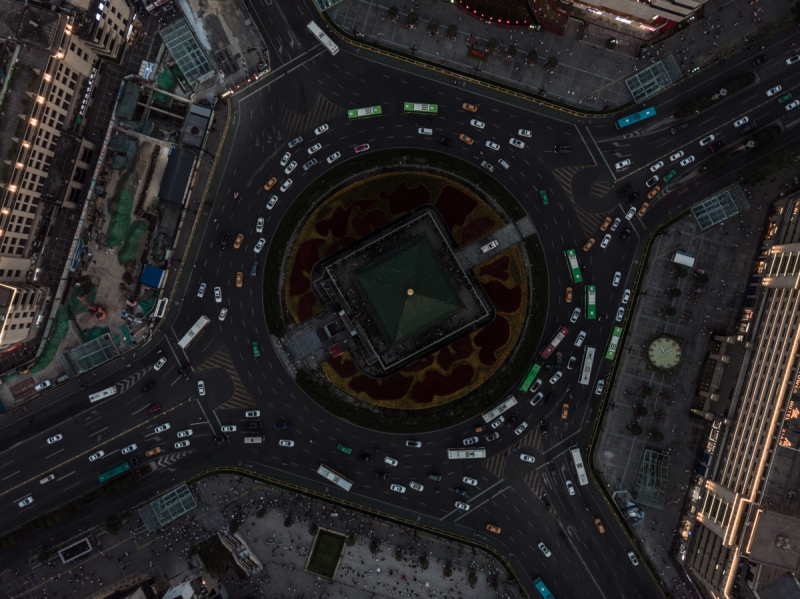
<point>588,75</point>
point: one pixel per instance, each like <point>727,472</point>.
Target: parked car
<point>622,164</point>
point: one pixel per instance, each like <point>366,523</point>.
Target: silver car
<point>218,294</point>
<point>54,439</point>
<point>470,481</point>
<point>516,143</point>
<point>320,129</point>
<point>260,245</point>
<point>492,146</point>
<point>26,501</point>
<point>390,461</point>
<point>129,449</point>
<point>285,159</point>
<point>620,313</point>
<point>97,456</point>
<point>334,157</point>
<point>521,428</point>
<point>291,167</point>
<point>316,147</point>
<point>606,241</point>
<point>181,444</point>
<point>462,506</point>
<point>470,441</point>
<point>477,123</point>
<point>295,141</point>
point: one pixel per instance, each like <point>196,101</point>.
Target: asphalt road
<point>309,89</point>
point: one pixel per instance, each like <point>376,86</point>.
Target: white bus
<point>586,367</point>
<point>323,38</point>
<point>497,410</point>
<point>103,394</point>
<point>254,439</point>
<point>194,332</point>
<point>465,454</point>
<point>576,457</point>
<point>334,477</point>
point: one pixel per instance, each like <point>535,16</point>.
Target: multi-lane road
<point>310,88</point>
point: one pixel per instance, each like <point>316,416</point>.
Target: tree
<point>682,273</point>
<point>214,554</point>
<point>671,311</point>
<point>233,527</point>
<point>413,19</point>
<point>261,512</point>
<point>511,52</point>
<point>433,27</point>
<point>45,554</point>
<point>350,541</point>
<point>674,293</point>
<point>393,12</point>
<point>313,530</point>
<point>611,43</point>
<point>447,571</point>
<point>532,57</point>
<point>656,436</point>
<point>288,522</point>
<point>551,63</point>
<point>472,578</point>
<point>636,430</point>
<point>647,391</point>
<point>374,546</point>
<point>113,524</point>
<point>452,32</point>
<point>398,554</point>
<point>702,279</point>
<point>491,45</point>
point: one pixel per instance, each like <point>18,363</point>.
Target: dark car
<point>625,189</point>
<point>436,477</point>
<point>365,457</point>
<point>283,424</point>
<point>134,462</point>
<point>543,426</point>
<point>633,196</point>
<point>716,146</point>
<point>154,408</point>
<point>148,386</point>
<point>548,397</point>
<point>748,127</point>
<point>381,475</point>
<point>253,425</point>
<point>760,60</point>
<point>552,466</point>
<point>548,367</point>
<point>184,370</point>
<point>677,128</point>
<point>625,234</point>
<point>444,141</point>
<point>224,241</point>
<point>461,492</point>
<point>563,149</point>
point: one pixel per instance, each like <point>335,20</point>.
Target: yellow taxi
<point>238,243</point>
<point>466,139</point>
<point>605,224</point>
<point>270,183</point>
<point>599,525</point>
<point>653,192</point>
<point>152,452</point>
<point>643,209</point>
<point>238,279</point>
<point>564,411</point>
<point>493,528</point>
<point>569,294</point>
<point>588,244</point>
<point>470,107</point>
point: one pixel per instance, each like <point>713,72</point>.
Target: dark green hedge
<point>700,103</point>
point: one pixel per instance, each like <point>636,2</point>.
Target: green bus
<point>613,343</point>
<point>364,113</point>
<point>574,267</point>
<point>116,471</point>
<point>526,384</point>
<point>414,108</point>
<point>591,302</point>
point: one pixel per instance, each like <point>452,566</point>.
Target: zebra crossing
<point>241,398</point>
<point>497,463</point>
<point>590,222</point>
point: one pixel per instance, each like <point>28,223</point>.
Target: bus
<point>613,343</point>
<point>116,471</point>
<point>499,409</point>
<point>554,343</point>
<point>591,302</point>
<point>574,267</point>
<point>543,590</point>
<point>103,394</point>
<point>323,38</point>
<point>586,367</point>
<point>526,384</point>
<point>635,118</point>
<point>414,108</point>
<point>194,332</point>
<point>576,457</point>
<point>364,113</point>
<point>334,477</point>
<point>465,454</point>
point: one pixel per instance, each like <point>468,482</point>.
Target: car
<point>536,384</point>
<point>252,414</point>
<point>238,243</point>
<point>470,441</point>
<point>361,148</point>
<point>97,455</point>
<point>587,246</point>
<point>615,224</point>
<point>630,213</point>
<point>521,428</point>
<point>381,475</point>
<point>617,279</point>
<point>54,438</point>
<point>563,149</point>
<point>416,486</point>
<point>27,501</point>
<point>151,452</point>
<point>286,158</point>
<point>223,313</point>
<point>537,398</point>
<point>670,175</point>
<point>295,141</point>
<point>748,128</point>
<point>201,290</point>
<point>466,139</point>
<point>543,195</point>
<point>286,184</point>
<point>470,481</point>
<point>624,190</point>
<point>620,314</point>
<point>269,184</point>
<point>181,444</point>
<point>260,224</point>
<point>398,488</point>
<point>555,377</point>
<point>622,164</point>
<point>633,559</point>
<point>259,245</point>
<point>461,492</point>
<point>148,386</point>
<point>493,437</point>
<point>320,130</point>
<point>625,234</point>
<point>228,428</point>
<point>741,121</point>
<point>679,155</point>
<point>643,209</point>
<point>569,294</point>
<point>390,461</point>
<point>344,448</point>
<point>477,124</point>
<point>600,385</point>
<point>524,133</point>
<point>218,294</point>
<point>286,443</point>
<point>334,157</point>
<point>789,107</point>
<point>315,148</point>
<point>544,549</point>
<point>651,181</point>
<point>156,407</point>
<point>487,166</point>
<point>413,444</point>
<point>309,164</point>
<point>626,296</point>
<point>129,449</point>
<point>543,426</point>
<point>272,201</point>
<point>162,428</point>
<point>462,506</point>
<point>632,198</point>
<point>564,411</point>
<point>606,240</point>
<point>703,142</point>
<point>599,525</point>
<point>256,351</point>
<point>498,422</point>
<point>678,128</point>
<point>715,146</point>
<point>492,146</point>
<point>784,98</point>
<point>493,528</point>
<point>656,166</point>
<point>291,167</point>
<point>687,160</point>
<point>516,143</point>
<point>570,487</point>
<point>201,387</point>
<point>580,339</point>
<point>605,224</point>
<point>793,59</point>
<point>470,107</point>
<point>571,362</point>
<point>653,193</point>
<point>527,458</point>
<point>759,60</point>
<point>239,279</point>
<point>576,313</point>
<point>186,433</point>
<point>443,140</point>
<point>158,365</point>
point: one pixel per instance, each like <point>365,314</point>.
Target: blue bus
<point>635,118</point>
<point>543,590</point>
<point>116,471</point>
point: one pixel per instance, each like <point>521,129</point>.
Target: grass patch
<point>130,243</point>
<point>325,554</point>
<point>120,208</point>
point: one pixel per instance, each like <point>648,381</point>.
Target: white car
<point>537,398</point>
<point>230,428</point>
<point>615,224</point>
<point>656,166</point>
<point>470,481</point>
<point>413,444</point>
<point>631,213</point>
<point>527,458</point>
<point>599,389</point>
<point>617,279</point>
<point>521,428</point>
<point>47,479</point>
<point>516,143</point>
<point>291,167</point>
<point>398,488</point>
<point>201,387</point>
<point>470,441</point>
<point>555,377</point>
<point>678,155</point>
<point>295,141</point>
<point>620,313</point>
<point>492,146</point>
<point>285,159</point>
<point>462,506</point>
<point>202,290</point>
<point>793,59</point>
<point>55,438</point>
<point>687,160</point>
<point>390,461</point>
<point>498,422</point>
<point>180,444</point>
<point>626,296</point>
<point>334,157</point>
<point>286,443</point>
<point>633,559</point>
<point>129,449</point>
<point>792,106</point>
<point>260,224</point>
<point>576,313</point>
<point>260,245</point>
<point>162,428</point>
<point>544,549</point>
<point>741,121</point>
<point>774,91</point>
<point>606,240</point>
<point>321,129</point>
<point>26,501</point>
<point>477,123</point>
<point>570,487</point>
<point>536,384</point>
<point>416,486</point>
<point>252,414</point>
<point>97,456</point>
<point>272,201</point>
<point>218,294</point>
<point>159,364</point>
<point>524,133</point>
<point>316,147</point>
<point>186,433</point>
<point>223,313</point>
<point>705,141</point>
<point>580,338</point>
<point>286,184</point>
<point>621,165</point>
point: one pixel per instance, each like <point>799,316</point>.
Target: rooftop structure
<point>167,508</point>
<point>187,52</point>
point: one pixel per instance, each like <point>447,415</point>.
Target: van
<point>504,164</point>
<point>425,131</point>
<point>254,439</point>
<point>254,270</point>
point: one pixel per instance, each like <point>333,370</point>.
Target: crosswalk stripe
<point>240,397</point>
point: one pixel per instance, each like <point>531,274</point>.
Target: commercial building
<point>650,15</point>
